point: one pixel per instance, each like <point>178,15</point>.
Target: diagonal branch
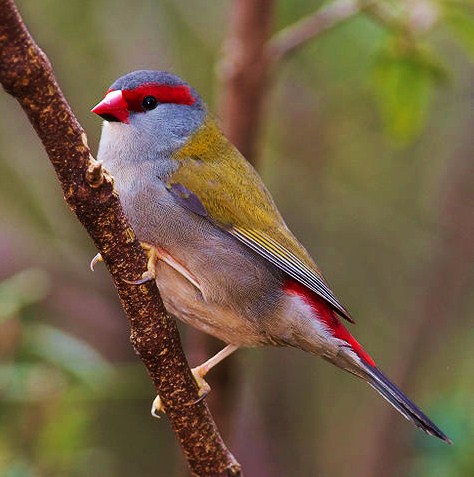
<point>25,73</point>
<point>291,38</point>
<point>251,56</point>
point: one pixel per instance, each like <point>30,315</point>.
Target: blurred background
<point>366,143</point>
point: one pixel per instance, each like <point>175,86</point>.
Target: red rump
<point>180,94</point>
<point>327,316</point>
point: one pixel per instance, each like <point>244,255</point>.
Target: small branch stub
<point>95,174</point>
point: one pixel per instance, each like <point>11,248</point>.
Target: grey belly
<point>240,291</point>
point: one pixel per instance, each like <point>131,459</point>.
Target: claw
<point>149,275</point>
<point>157,407</point>
<point>204,389</point>
<point>200,398</point>
<point>146,277</point>
<point>198,372</point>
<point>97,259</point>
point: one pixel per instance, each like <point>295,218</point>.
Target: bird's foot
<point>147,276</point>
<point>203,390</point>
<point>198,372</point>
<point>150,273</point>
<point>203,387</point>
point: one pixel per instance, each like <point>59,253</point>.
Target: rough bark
<point>26,74</point>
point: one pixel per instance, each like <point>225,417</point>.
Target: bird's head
<point>152,110</point>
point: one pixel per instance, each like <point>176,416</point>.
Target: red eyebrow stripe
<point>180,94</point>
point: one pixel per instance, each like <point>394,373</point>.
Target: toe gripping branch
<point>150,273</point>
<point>198,372</point>
<point>147,276</point>
<point>203,390</point>
<point>154,255</point>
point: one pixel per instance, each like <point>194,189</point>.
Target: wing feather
<point>289,263</point>
<point>215,181</point>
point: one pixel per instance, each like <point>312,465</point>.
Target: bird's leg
<point>155,254</point>
<point>198,372</point>
<point>169,260</point>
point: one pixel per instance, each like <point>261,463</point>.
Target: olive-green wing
<point>215,181</point>
<point>289,263</point>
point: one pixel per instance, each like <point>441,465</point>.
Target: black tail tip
<point>403,404</point>
<point>430,428</point>
<point>440,435</point>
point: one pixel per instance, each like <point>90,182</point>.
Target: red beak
<point>113,107</point>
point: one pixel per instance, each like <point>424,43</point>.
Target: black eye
<point>149,103</point>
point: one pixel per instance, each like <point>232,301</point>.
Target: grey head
<point>148,114</point>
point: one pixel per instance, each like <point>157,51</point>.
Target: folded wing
<point>216,182</point>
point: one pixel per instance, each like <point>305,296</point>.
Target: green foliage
<point>62,439</point>
<point>19,469</point>
<point>460,18</point>
<point>21,290</point>
<point>436,460</point>
<point>404,77</point>
<point>46,366</point>
<point>67,353</point>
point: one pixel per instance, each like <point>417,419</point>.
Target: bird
<point>222,256</point>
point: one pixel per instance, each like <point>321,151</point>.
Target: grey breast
<point>229,273</point>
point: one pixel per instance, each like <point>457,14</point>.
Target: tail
<point>344,351</point>
<point>400,402</point>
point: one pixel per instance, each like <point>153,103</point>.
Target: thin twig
<point>250,57</point>
<point>383,15</point>
<point>26,73</point>
<point>291,38</point>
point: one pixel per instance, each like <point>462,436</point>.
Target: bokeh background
<point>367,145</point>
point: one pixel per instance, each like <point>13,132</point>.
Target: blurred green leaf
<point>460,17</point>
<point>64,436</point>
<point>404,77</point>
<point>19,469</point>
<point>68,353</point>
<point>434,458</point>
<point>29,381</point>
<point>21,290</point>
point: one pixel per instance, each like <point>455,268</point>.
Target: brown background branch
<point>244,73</point>
<point>26,74</point>
<point>251,55</point>
<point>249,65</point>
<point>250,59</point>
